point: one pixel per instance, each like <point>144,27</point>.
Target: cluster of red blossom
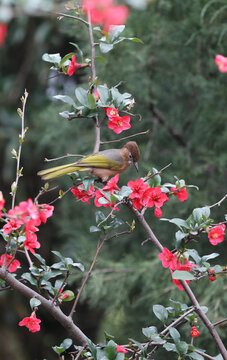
<point>104,12</point>
<point>141,195</point>
<point>195,332</point>
<point>24,218</point>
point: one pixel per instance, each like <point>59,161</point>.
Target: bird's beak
<point>136,166</point>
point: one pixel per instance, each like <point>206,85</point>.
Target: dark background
<point>182,99</point>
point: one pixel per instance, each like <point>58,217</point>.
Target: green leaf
<point>150,332</point>
<point>208,257</point>
<point>65,98</point>
<point>103,93</point>
<point>116,31</point>
<point>160,312</point>
<point>105,48</point>
<point>78,49</point>
<point>217,268</point>
<point>125,191</point>
<point>116,222</point>
<point>29,278</point>
<point>66,343</point>
<point>111,350</point>
<point>174,334</point>
<point>170,347</point>
<point>92,348</point>
<point>65,58</point>
<point>108,336</point>
<point>182,275</point>
<point>179,222</point>
<point>82,96</point>
<point>52,58</point>
<point>140,346</point>
<point>101,59</point>
<point>40,258</point>
<point>99,216</point>
<point>34,303</point>
<point>193,355</point>
<point>91,101</point>
<point>94,229</point>
<point>182,347</point>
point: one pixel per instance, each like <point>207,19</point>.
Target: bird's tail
<point>60,170</point>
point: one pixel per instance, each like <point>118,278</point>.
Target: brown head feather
<point>133,149</point>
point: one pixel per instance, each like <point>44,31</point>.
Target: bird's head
<point>133,153</point>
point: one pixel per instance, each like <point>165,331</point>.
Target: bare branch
<point>124,138</point>
<point>220,322</point>
<point>72,17</point>
<point>157,173</point>
<point>63,157</point>
<point>219,202</point>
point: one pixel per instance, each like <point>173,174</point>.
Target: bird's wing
<point>99,161</point>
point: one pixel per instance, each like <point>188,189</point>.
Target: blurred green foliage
<point>182,99</point>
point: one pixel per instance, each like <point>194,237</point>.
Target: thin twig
<point>203,354</point>
<point>157,173</point>
<point>124,138</point>
<point>99,247</point>
<point>18,175</point>
<point>63,157</point>
<point>133,115</point>
<point>219,202</point>
<point>61,287</point>
<point>43,191</point>
<point>111,212</point>
<point>220,322</point>
<point>28,258</point>
<point>72,17</point>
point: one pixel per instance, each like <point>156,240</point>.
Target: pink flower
<point>157,212</point>
<point>32,323</point>
<point>112,184</point>
<point>195,332</point>
<point>73,66</point>
<point>13,266</point>
<point>181,194</point>
<point>221,62</point>
<point>12,225</point>
<point>45,211</point>
<point>31,242</point>
<point>168,259</point>
<point>119,124</point>
<point>105,13</point>
<point>3,32</point>
<point>96,95</point>
<point>216,234</point>
<point>121,349</point>
<point>83,195</point>
<point>2,203</point>
<point>154,197</point>
<point>64,296</point>
<point>111,112</point>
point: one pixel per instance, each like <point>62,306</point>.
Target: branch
<point>100,245</point>
<point>124,138</point>
<point>220,322</point>
<point>18,175</point>
<point>186,287</point>
<point>157,173</point>
<point>63,157</point>
<point>74,331</point>
<point>73,17</point>
<point>219,202</point>
<point>204,355</point>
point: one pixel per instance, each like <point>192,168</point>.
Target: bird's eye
<point>130,156</point>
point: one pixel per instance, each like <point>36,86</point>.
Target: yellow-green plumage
<point>85,164</point>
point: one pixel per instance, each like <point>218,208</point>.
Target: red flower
<point>73,66</point>
<point>168,259</point>
<point>2,203</point>
<point>221,62</point>
<point>181,194</point>
<point>212,277</point>
<point>3,32</point>
<point>154,197</point>
<point>45,211</point>
<point>121,349</point>
<point>96,95</point>
<point>157,212</point>
<point>104,12</point>
<point>112,184</point>
<point>111,112</point>
<point>119,124</point>
<point>12,225</point>
<point>64,296</point>
<point>31,242</point>
<point>138,188</point>
<point>83,195</point>
<point>32,323</point>
<point>13,266</point>
<point>216,234</point>
<point>195,332</point>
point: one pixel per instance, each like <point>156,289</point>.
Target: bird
<point>102,164</point>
